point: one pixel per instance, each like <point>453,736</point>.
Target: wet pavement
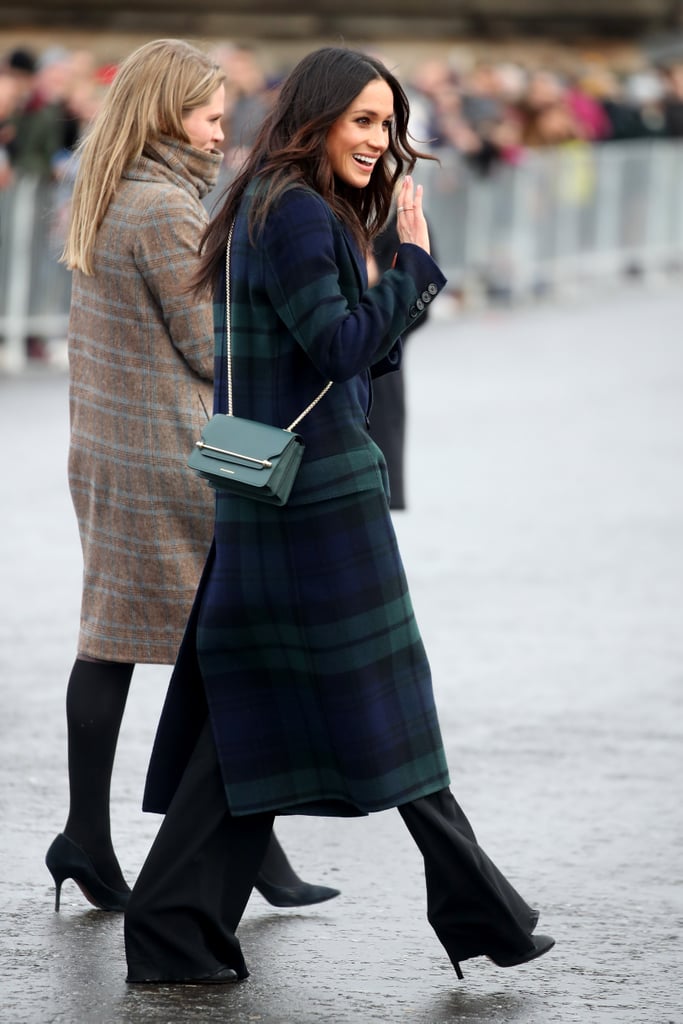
<point>544,545</point>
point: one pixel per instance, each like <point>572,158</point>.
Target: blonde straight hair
<point>154,88</point>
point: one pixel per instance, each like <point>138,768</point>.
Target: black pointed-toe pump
<point>297,894</point>
<point>278,882</point>
<point>541,944</point>
<point>65,859</point>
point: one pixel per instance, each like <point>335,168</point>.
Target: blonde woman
<point>141,363</point>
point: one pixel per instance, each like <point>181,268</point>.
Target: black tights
<point>95,701</point>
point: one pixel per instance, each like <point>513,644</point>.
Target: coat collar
<point>174,160</point>
<point>357,258</point>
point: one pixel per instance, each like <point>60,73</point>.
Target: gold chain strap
<point>228,344</point>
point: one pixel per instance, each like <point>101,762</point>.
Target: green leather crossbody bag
<point>244,457</point>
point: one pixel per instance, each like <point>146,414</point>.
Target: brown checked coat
<point>140,355</point>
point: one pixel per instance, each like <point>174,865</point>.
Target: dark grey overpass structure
<point>289,20</point>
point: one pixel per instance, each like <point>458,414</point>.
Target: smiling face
<point>358,138</point>
<point>203,124</point>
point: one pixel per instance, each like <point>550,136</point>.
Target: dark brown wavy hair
<point>291,149</point>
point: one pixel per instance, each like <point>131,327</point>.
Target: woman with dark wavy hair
<point>302,685</point>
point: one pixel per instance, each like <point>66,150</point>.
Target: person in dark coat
<point>388,415</point>
<point>302,685</point>
<point>140,357</point>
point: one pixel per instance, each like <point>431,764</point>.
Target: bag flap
<point>242,440</point>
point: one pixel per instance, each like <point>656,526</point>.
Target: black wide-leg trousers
<point>191,893</point>
<point>471,906</point>
<point>185,906</point>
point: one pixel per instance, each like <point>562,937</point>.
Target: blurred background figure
<point>8,104</point>
<point>43,126</point>
<point>389,412</point>
<point>247,101</point>
<point>547,116</point>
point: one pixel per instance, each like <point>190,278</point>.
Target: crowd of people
<point>488,112</point>
<point>495,111</point>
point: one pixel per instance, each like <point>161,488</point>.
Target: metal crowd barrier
<point>569,217</point>
<point>574,216</point>
<point>34,287</point>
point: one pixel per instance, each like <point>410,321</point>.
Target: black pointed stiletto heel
<point>65,859</point>
<point>458,972</point>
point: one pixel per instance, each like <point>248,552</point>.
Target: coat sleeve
<point>166,256</point>
<point>303,245</point>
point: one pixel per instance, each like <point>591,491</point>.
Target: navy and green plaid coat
<point>302,642</point>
